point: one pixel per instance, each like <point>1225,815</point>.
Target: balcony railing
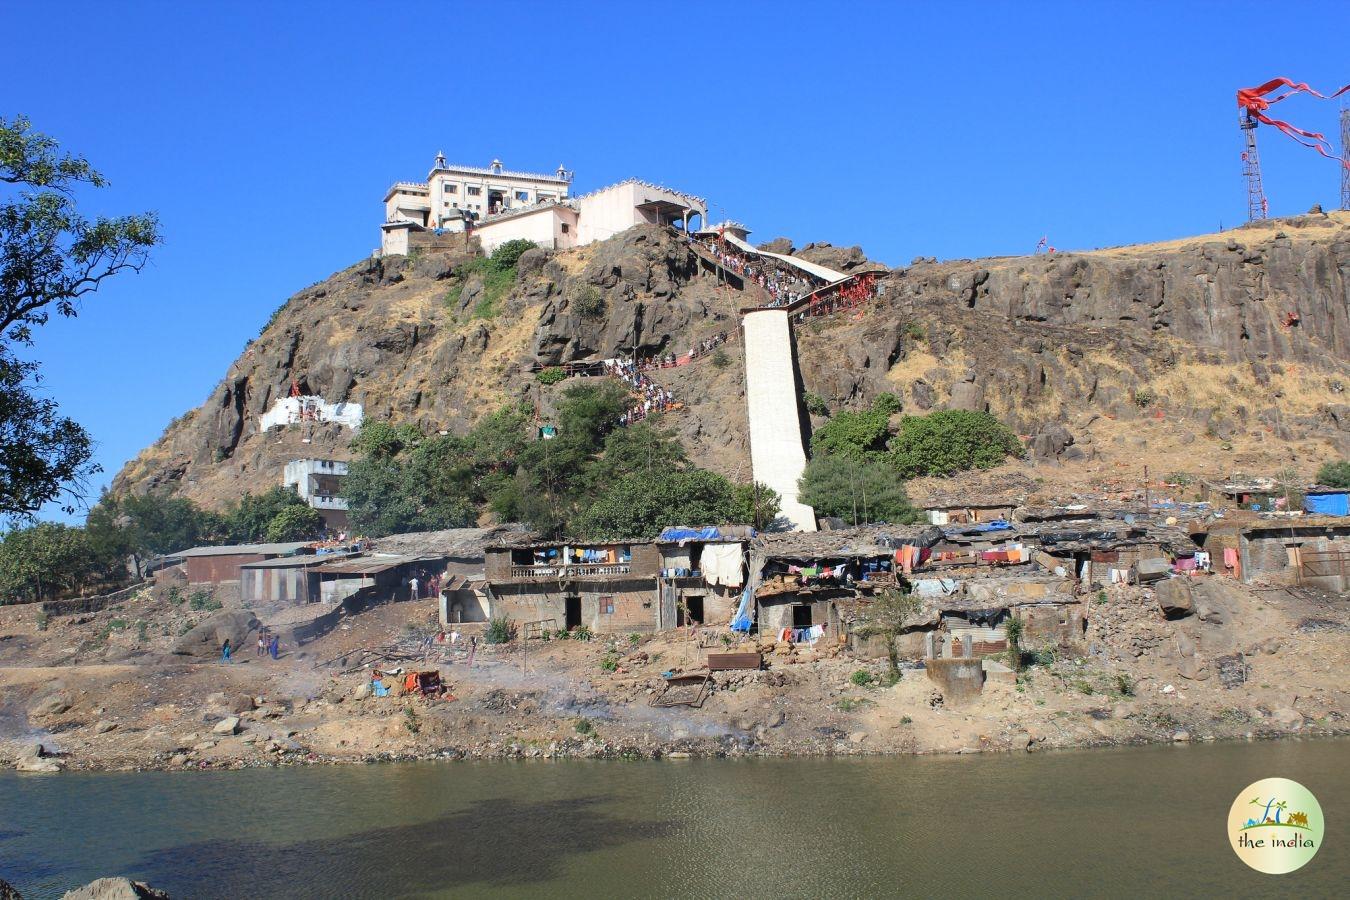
<point>318,502</point>
<point>577,571</point>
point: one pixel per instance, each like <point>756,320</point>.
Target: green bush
<point>857,434</point>
<point>720,360</point>
<point>410,720</point>
<point>862,678</point>
<point>500,631</point>
<point>634,638</point>
<point>955,440</point>
<point>1334,474</point>
<point>508,254</point>
<point>202,601</point>
<point>610,663</point>
<point>1143,398</point>
<point>589,303</point>
<point>584,726</point>
<point>582,633</point>
<point>814,404</point>
<point>550,376</point>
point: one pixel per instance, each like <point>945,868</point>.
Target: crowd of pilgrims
<point>651,397</point>
<point>784,286</point>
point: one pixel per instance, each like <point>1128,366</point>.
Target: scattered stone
<point>54,705</point>
<point>204,745</point>
<point>178,759</point>
<point>1288,718</point>
<point>858,737</point>
<point>242,704</point>
<point>104,727</point>
<point>1181,736</point>
<point>1174,597</point>
<point>37,764</point>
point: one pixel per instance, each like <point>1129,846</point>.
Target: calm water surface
<point>1134,822</point>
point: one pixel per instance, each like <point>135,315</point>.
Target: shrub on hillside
<point>1334,474</point>
<point>943,443</point>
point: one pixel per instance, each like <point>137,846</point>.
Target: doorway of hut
<point>801,615</point>
<point>572,613</point>
<point>690,612</point>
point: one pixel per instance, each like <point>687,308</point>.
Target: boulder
<point>53,705</point>
<point>1050,443</point>
<point>778,245</point>
<point>37,764</point>
<point>228,725</point>
<point>115,889</point>
<point>1174,597</point>
<point>207,638</point>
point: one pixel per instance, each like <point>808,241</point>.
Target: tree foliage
<point>641,504</point>
<point>857,491</point>
<point>50,258</point>
<point>572,484</point>
<point>44,560</point>
<point>44,456</point>
<point>943,443</point>
<point>1334,474</point>
<point>50,255</point>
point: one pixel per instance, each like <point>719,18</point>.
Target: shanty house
<point>284,579</point>
<point>608,586</point>
<point>1320,500</point>
<point>215,565</point>
<point>1243,491</point>
<point>388,574</point>
<point>1308,550</point>
<point>798,577</point>
<point>702,573</point>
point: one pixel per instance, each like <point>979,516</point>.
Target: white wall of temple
<point>294,410</point>
<point>552,227</point>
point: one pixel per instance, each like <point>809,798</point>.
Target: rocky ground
<point>1247,663</point>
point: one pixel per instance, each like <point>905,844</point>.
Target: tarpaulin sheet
<point>1327,504</point>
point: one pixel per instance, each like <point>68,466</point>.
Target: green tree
<point>943,443</point>
<point>754,504</point>
<point>1334,474</point>
<point>50,258</point>
<point>295,523</point>
<point>857,491</point>
<point>248,520</point>
<point>640,505</point>
<point>889,613</point>
<point>508,254</point>
<point>44,560</point>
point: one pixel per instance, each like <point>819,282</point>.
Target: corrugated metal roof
<point>371,565</point>
<point>293,562</point>
<point>240,549</point>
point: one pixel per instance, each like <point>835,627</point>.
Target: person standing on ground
<point>225,651</point>
<point>412,586</point>
<point>262,644</point>
<point>274,645</point>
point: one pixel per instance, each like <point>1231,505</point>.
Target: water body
<point>1131,822</point>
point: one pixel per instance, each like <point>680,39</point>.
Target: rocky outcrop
<point>116,888</point>
<point>1237,334</point>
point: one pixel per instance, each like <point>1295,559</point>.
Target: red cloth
<point>1255,102</point>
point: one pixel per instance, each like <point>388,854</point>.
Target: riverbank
<point>98,698</point>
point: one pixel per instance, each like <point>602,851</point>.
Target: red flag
<point>1255,101</point>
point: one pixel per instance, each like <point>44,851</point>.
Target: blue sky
<point>266,134</point>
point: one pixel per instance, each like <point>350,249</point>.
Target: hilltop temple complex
<point>498,205</point>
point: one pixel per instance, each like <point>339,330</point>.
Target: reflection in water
<point>500,843</point>
<point>1138,822</point>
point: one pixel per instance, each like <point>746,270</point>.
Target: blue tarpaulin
<point>1328,504</point>
<point>709,533</point>
<point>741,621</point>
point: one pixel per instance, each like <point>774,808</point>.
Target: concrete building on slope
<point>497,205</point>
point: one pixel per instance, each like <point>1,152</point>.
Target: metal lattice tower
<point>1345,156</point>
<point>1251,170</point>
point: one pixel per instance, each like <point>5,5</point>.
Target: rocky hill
<point>1209,354</point>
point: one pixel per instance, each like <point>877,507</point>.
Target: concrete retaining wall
<point>776,453</point>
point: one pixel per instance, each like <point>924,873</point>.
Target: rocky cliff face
<point>1237,337</point>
